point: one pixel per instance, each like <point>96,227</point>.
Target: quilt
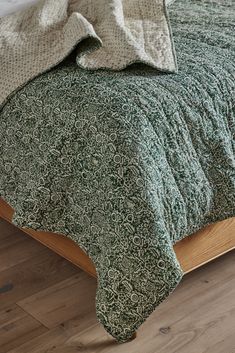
<point>128,163</point>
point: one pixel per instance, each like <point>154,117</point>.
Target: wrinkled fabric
<point>8,8</point>
<point>108,34</point>
<point>128,163</point>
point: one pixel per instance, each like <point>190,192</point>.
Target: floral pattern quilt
<point>128,163</point>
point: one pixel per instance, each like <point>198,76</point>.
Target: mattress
<point>128,163</point>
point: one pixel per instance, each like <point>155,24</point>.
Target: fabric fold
<point>35,39</point>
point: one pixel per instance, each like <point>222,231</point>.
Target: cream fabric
<point>117,33</point>
<point>8,6</point>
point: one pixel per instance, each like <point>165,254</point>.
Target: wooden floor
<point>48,306</point>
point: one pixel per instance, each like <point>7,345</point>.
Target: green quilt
<point>128,163</point>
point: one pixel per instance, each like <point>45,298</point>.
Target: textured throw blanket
<point>108,34</point>
<point>128,163</point>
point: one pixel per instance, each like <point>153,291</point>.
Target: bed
<point>192,252</point>
<point>129,175</point>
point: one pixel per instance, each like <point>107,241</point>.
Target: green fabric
<point>128,163</point>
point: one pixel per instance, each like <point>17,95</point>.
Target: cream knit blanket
<point>110,34</point>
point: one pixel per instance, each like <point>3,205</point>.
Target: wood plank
<point>178,319</point>
<point>5,229</point>
<point>206,245</point>
<point>56,340</point>
<point>198,318</point>
<point>224,345</point>
<point>206,330</point>
<point>205,326</point>
<point>33,275</point>
<point>202,285</point>
<point>17,327</point>
<point>66,248</point>
<point>10,237</point>
<point>51,342</point>
<point>196,333</point>
<point>18,248</point>
<point>6,211</point>
<point>192,252</point>
<point>72,297</point>
<point>60,244</point>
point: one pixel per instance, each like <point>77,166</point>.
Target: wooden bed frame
<point>192,252</point>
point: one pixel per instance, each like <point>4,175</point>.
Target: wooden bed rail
<point>192,252</point>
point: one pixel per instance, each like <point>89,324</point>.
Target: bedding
<point>128,163</point>
<point>9,7</point>
<point>108,34</point>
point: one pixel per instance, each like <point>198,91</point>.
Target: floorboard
<point>48,306</point>
<point>17,327</point>
<point>39,270</point>
<point>16,249</point>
